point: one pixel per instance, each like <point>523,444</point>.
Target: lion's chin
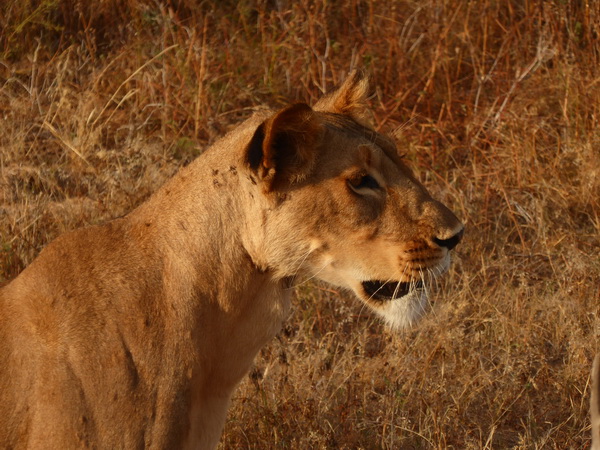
<point>399,311</point>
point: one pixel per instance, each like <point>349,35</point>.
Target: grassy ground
<point>497,104</point>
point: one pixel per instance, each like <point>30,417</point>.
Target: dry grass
<point>497,103</point>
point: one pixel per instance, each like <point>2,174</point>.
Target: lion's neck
<point>202,216</point>
<point>200,230</point>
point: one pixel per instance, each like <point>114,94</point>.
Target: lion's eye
<point>363,182</point>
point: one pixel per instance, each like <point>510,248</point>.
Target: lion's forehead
<point>344,154</point>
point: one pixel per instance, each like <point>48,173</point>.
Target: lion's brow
<point>346,124</point>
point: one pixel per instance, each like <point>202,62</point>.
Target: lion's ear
<point>349,99</point>
<point>283,149</point>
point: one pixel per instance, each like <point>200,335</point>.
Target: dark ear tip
<point>299,110</point>
<point>300,106</point>
<point>291,118</point>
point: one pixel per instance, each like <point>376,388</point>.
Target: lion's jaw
<point>402,304</point>
<point>400,301</point>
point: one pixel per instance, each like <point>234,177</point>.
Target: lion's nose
<point>452,242</point>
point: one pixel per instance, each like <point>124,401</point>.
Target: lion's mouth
<point>384,291</point>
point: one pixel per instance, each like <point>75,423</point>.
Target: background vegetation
<point>497,104</point>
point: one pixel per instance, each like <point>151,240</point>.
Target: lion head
<point>342,206</point>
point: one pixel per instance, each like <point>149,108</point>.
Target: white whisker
<point>314,275</point>
<point>308,252</point>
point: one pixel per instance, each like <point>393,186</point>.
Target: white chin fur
<point>405,311</point>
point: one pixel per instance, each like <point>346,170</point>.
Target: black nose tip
<point>451,242</point>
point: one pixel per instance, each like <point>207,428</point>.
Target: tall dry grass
<point>496,103</point>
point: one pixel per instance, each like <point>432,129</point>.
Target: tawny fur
<point>135,333</point>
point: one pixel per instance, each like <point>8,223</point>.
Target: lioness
<point>135,333</point>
